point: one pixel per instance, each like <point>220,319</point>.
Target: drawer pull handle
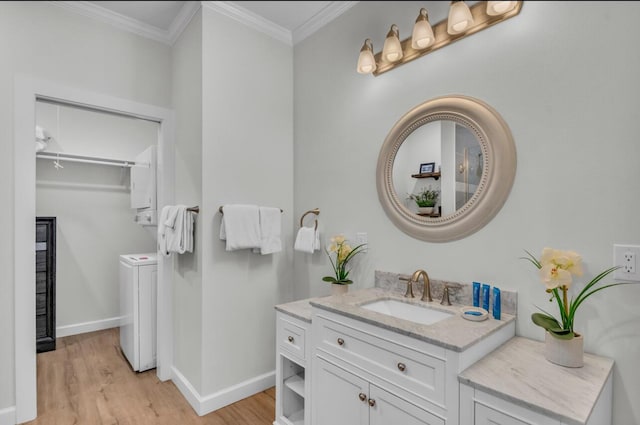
<point>402,367</point>
<point>290,338</point>
<point>340,341</point>
<point>372,402</point>
<point>362,396</point>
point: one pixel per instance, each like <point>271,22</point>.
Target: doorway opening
<point>28,92</point>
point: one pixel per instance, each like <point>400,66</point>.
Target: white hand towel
<point>179,230</point>
<point>162,237</point>
<point>240,227</point>
<point>305,240</point>
<point>270,229</point>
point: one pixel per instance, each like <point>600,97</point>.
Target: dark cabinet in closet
<point>45,284</point>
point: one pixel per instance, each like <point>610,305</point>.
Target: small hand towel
<point>162,237</point>
<point>240,227</point>
<point>317,243</point>
<point>270,229</point>
<point>305,240</point>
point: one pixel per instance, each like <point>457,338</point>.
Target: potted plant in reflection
<point>425,200</point>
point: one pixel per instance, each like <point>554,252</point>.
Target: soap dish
<point>475,314</point>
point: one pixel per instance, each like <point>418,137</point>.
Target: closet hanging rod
<point>222,212</point>
<point>55,156</point>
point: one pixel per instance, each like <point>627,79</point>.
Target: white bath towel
<point>240,227</point>
<point>306,240</point>
<point>270,229</point>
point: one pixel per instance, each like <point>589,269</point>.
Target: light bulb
<point>366,61</point>
<point>392,50</point>
<point>422,36</point>
<point>495,8</point>
<point>460,18</point>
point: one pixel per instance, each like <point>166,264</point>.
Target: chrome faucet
<point>426,292</point>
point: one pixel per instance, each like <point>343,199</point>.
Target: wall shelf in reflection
<point>426,175</point>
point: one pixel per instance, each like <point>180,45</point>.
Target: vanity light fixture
<point>366,61</point>
<point>422,36</point>
<point>460,18</point>
<point>392,50</point>
<point>495,8</point>
<point>461,22</point>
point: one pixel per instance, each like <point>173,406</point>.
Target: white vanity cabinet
<point>366,374</point>
<point>292,375</point>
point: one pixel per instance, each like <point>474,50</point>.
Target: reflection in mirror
<point>457,172</point>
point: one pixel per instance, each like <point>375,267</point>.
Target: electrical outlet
<point>626,257</point>
<point>360,239</point>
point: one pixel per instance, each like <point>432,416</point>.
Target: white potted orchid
<point>563,345</point>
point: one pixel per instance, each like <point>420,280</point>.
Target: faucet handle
<point>446,290</point>
<point>404,277</point>
<point>409,293</point>
<point>445,296</point>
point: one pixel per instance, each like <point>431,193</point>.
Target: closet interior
<point>96,184</point>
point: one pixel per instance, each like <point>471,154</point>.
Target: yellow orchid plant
<point>557,269</point>
<point>344,253</point>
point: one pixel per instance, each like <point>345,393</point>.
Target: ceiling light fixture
<point>462,22</point>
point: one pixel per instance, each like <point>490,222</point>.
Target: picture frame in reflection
<point>427,167</point>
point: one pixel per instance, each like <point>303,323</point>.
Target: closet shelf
<point>67,157</point>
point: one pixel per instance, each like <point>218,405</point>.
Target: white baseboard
<point>81,328</point>
<point>8,416</point>
<point>207,404</point>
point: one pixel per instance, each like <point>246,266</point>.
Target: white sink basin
<point>406,311</point>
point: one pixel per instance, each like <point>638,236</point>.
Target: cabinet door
<point>339,397</point>
<point>389,409</point>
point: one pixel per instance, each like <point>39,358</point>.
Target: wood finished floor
<point>87,381</point>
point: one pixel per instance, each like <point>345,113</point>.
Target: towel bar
<point>194,209</point>
<point>315,211</point>
<point>222,212</point>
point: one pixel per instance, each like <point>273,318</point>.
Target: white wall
<point>42,40</point>
<point>571,101</point>
<point>91,204</point>
<point>247,146</point>
<point>187,278</point>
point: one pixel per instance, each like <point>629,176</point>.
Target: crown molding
<point>180,22</point>
<point>322,18</point>
<point>132,25</point>
<point>244,16</point>
<point>257,22</point>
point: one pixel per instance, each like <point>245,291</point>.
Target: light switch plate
<point>627,257</point>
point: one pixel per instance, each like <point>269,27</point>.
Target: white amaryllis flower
<point>555,277</point>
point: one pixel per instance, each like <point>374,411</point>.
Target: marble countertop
<point>454,333</point>
<point>519,372</point>
<point>298,309</point>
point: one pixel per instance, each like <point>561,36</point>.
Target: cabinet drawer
<point>401,364</point>
<point>291,336</point>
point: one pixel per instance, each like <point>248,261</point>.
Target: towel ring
<point>315,211</point>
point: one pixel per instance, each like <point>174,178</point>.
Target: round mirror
<point>446,168</point>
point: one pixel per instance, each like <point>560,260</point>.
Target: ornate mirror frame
<point>499,168</point>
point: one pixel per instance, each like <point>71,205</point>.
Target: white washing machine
<point>138,304</point>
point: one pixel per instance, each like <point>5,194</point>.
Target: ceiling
<point>163,16</point>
